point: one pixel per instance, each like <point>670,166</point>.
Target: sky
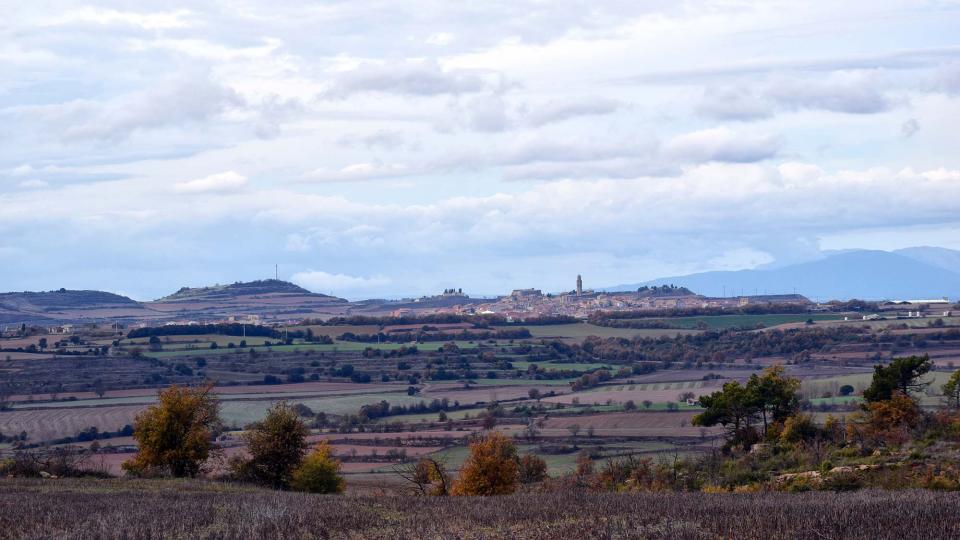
<point>383,149</point>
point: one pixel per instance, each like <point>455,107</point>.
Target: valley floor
<point>84,508</point>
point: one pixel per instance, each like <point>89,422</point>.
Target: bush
<point>175,435</point>
<point>491,468</point>
<point>276,445</point>
<point>531,469</point>
<point>319,472</point>
<point>842,481</point>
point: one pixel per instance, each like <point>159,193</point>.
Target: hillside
<point>948,259</point>
<point>269,299</point>
<point>234,290</point>
<point>852,274</point>
<point>63,304</point>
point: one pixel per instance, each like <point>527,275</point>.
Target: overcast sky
<point>383,148</point>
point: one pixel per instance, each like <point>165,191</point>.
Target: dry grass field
<point>45,424</point>
<point>74,509</point>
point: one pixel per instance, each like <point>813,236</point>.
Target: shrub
<point>491,468</point>
<point>531,469</point>
<point>175,435</point>
<point>276,445</point>
<point>319,472</point>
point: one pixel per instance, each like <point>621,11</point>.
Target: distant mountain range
<point>911,273</point>
<point>906,274</point>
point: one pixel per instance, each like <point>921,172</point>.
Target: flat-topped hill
<point>233,290</point>
<point>63,305</point>
<point>62,299</point>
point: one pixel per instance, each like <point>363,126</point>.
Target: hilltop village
<point>522,304</point>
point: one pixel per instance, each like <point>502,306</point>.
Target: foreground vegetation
<point>198,509</point>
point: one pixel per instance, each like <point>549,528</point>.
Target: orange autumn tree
<point>175,436</point>
<point>491,468</point>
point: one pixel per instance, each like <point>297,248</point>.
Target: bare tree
<point>426,476</point>
<point>531,431</point>
<point>574,430</point>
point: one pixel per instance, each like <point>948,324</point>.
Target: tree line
<point>426,336</point>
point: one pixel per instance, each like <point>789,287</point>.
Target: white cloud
<point>387,139</point>
<point>398,136</point>
<point>147,21</point>
<point>223,182</point>
<point>855,92</point>
<point>34,184</point>
<point>558,111</point>
<point>408,78</point>
<point>440,38</point>
<point>851,92</point>
<point>319,281</point>
<point>185,100</point>
<point>723,144</point>
<point>360,171</point>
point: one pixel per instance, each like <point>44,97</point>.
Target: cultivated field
<point>578,331</point>
<point>718,322</point>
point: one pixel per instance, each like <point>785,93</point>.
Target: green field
<point>295,396</point>
<point>521,382</point>
<point>578,331</point>
<point>912,323</point>
<point>523,365</point>
<point>813,388</point>
<point>241,413</point>
<point>347,346</point>
<point>560,464</point>
<point>720,322</point>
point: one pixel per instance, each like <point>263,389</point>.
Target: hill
<point>948,259</point>
<point>63,304</point>
<point>233,290</point>
<point>853,274</point>
<point>268,299</point>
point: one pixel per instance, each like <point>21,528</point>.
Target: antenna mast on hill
<point>276,272</point>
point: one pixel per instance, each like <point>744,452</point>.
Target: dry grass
<point>180,509</point>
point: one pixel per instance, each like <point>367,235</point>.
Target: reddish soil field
<point>456,392</point>
<point>333,388</point>
<point>600,397</point>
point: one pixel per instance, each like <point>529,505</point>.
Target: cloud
<point>33,184</point>
<point>319,281</point>
<point>854,92</point>
<point>225,182</point>
<point>722,144</point>
<point>383,139</point>
<point>440,38</point>
<point>909,128</point>
<point>171,103</point>
<point>361,171</point>
<point>947,78</point>
<point>106,17</point>
<point>734,103</point>
<point>560,110</point>
<point>905,59</point>
<point>408,78</point>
